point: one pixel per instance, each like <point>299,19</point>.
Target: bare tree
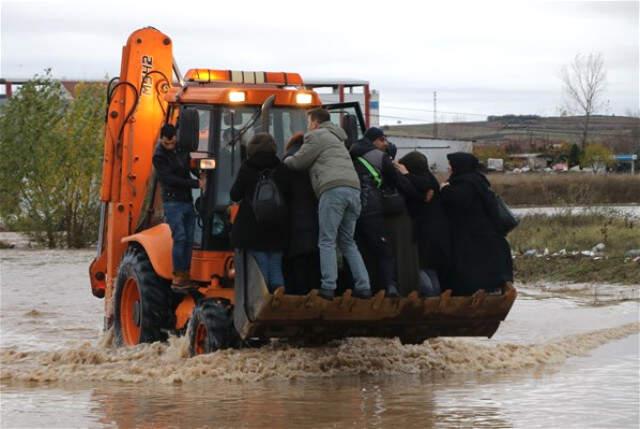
<point>584,81</point>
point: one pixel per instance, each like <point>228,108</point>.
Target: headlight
<point>237,96</point>
<point>304,98</point>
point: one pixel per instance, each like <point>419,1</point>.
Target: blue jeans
<point>270,264</point>
<point>181,219</point>
<point>338,211</point>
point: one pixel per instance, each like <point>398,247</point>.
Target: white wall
<point>436,150</point>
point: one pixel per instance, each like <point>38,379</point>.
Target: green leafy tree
<point>49,161</point>
<point>574,156</point>
<point>31,158</point>
<point>82,132</point>
<point>597,156</point>
<point>484,152</point>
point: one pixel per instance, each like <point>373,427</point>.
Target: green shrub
<point>50,160</point>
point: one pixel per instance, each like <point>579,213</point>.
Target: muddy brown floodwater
<point>567,356</point>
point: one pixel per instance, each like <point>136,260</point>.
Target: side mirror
<point>188,130</point>
<point>264,112</point>
<point>350,126</point>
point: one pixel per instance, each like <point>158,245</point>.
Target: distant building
<point>345,90</point>
<point>495,164</point>
<point>69,87</point>
<point>626,162</point>
<point>436,150</point>
<point>534,161</point>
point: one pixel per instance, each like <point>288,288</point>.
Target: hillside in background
<point>530,132</point>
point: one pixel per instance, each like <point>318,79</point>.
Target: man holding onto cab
<point>176,183</point>
<point>337,187</point>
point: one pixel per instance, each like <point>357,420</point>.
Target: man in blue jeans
<point>336,184</point>
<point>174,175</point>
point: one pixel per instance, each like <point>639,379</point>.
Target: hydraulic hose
<point>164,79</point>
<point>133,107</point>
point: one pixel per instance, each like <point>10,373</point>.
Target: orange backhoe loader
<point>216,111</point>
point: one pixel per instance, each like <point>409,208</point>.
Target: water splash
<point>169,362</point>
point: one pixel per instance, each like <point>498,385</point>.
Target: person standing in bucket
<point>337,187</point>
<point>176,183</point>
<point>375,170</point>
<point>430,224</point>
<point>302,258</point>
<point>481,255</point>
<point>261,226</point>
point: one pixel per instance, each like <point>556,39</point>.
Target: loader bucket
<point>258,313</point>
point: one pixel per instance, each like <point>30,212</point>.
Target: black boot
<point>362,294</point>
<point>327,294</point>
<point>392,291</point>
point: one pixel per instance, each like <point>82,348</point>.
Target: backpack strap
<point>266,173</point>
<point>372,170</point>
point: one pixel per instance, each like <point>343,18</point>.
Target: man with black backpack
<point>261,225</point>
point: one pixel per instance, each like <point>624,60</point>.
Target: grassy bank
<point>581,270</point>
<point>566,189</point>
<point>565,237</point>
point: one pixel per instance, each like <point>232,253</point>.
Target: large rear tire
<point>211,327</point>
<point>142,302</point>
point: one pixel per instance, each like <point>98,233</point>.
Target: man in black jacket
<point>375,170</point>
<point>302,262</point>
<point>174,175</point>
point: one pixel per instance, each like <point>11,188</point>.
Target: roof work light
<point>304,98</point>
<point>237,96</point>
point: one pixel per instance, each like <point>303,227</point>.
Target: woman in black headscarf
<point>481,256</point>
<point>431,227</point>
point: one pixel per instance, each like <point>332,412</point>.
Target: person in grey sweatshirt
<point>336,184</point>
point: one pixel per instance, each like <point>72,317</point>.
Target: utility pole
<point>435,115</point>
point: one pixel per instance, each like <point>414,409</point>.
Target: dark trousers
<point>302,273</point>
<point>405,250</point>
<point>372,238</point>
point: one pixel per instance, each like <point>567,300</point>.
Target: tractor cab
<point>223,132</point>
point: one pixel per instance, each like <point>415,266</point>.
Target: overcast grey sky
<point>482,57</point>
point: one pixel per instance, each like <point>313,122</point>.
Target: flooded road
<point>629,210</point>
<point>567,356</point>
